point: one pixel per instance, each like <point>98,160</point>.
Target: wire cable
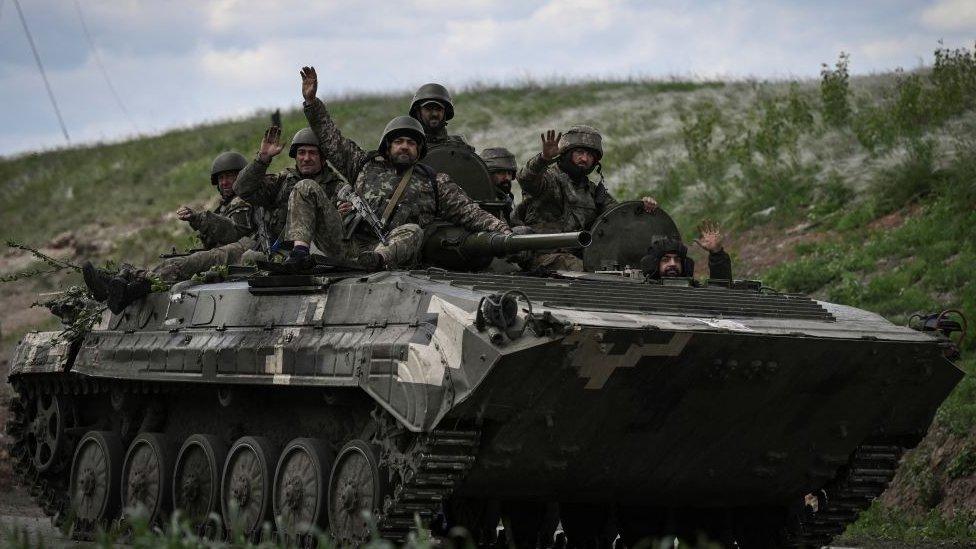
<point>40,67</point>
<point>101,67</point>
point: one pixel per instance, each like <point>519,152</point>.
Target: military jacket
<point>429,195</point>
<point>271,191</point>
<point>440,138</point>
<point>226,223</point>
<point>554,202</point>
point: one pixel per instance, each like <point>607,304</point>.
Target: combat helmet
<point>228,161</point>
<point>304,136</point>
<point>659,248</point>
<point>586,137</point>
<point>403,125</point>
<point>433,92</point>
<point>499,159</point>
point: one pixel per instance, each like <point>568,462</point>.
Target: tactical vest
<point>378,179</point>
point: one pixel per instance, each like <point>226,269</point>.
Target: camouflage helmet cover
<point>586,137</point>
<point>303,137</point>
<point>499,159</point>
<point>432,92</point>
<point>229,161</point>
<point>403,125</point>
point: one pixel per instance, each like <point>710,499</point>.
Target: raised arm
<point>253,184</point>
<point>719,262</point>
<point>345,155</point>
<point>532,175</point>
<point>458,208</point>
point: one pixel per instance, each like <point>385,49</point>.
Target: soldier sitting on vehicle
<point>502,168</point>
<point>269,193</point>
<point>668,258</point>
<point>231,219</point>
<point>390,180</point>
<point>433,107</point>
<point>273,192</point>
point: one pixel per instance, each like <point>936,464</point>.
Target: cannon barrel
<point>454,248</point>
<point>500,245</point>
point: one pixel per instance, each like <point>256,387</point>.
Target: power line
<point>101,67</point>
<point>40,67</point>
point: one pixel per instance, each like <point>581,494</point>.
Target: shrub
<point>835,91</point>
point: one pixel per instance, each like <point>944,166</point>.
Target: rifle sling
<point>395,199</point>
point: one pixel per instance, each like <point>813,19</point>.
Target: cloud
<point>951,15</point>
<point>184,61</point>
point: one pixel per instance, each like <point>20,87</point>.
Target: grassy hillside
<point>856,190</point>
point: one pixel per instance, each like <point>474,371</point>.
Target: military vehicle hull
<point>639,409</point>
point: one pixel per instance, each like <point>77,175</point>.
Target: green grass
<point>882,170</point>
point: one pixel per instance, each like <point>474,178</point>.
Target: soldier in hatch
<point>231,219</point>
<point>668,258</point>
<point>502,168</point>
<point>405,194</point>
<point>433,107</point>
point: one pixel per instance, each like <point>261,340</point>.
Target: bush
<point>909,180</point>
<point>835,91</point>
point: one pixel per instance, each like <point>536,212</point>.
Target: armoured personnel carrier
<point>608,403</point>
<point>460,397</point>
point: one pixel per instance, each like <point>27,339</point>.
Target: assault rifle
<point>363,212</point>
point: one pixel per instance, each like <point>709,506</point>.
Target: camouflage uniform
<point>440,138</point>
<point>175,269</point>
<point>273,193</point>
<point>227,223</point>
<point>428,195</point>
<point>499,159</point>
<point>555,201</point>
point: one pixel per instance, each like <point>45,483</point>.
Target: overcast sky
<point>182,62</point>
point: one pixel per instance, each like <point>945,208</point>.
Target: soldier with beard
<point>502,168</point>
<point>231,219</point>
<point>668,258</point>
<point>433,107</point>
<point>557,194</point>
<point>403,193</point>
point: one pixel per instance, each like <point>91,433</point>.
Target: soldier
<point>231,219</point>
<point>272,192</point>
<point>433,107</point>
<point>502,168</point>
<point>408,194</point>
<point>669,257</point>
<point>558,195</point>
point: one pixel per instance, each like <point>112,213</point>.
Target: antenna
<point>40,67</point>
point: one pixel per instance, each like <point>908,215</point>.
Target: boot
<point>97,280</point>
<point>122,293</point>
<point>371,261</point>
<point>298,261</point>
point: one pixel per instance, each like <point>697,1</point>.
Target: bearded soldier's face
<point>503,180</point>
<point>432,115</point>
<point>308,160</point>
<point>404,151</point>
<point>582,158</point>
<point>670,265</point>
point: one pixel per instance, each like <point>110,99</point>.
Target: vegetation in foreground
<point>856,190</point>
